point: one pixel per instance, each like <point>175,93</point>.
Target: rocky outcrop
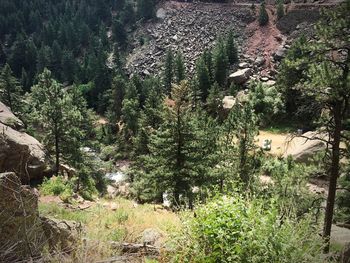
<point>20,152</point>
<point>8,118</point>
<point>304,147</point>
<point>61,234</point>
<point>345,256</point>
<point>23,234</point>
<point>187,27</point>
<point>241,76</point>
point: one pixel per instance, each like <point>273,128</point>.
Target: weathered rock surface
<point>151,236</point>
<point>61,234</point>
<point>345,256</point>
<point>241,76</point>
<point>20,226</point>
<point>23,234</point>
<point>304,147</point>
<point>20,152</point>
<point>8,118</point>
<point>187,27</point>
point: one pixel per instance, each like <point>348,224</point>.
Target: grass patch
<point>280,129</point>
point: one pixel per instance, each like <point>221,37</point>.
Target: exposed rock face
<point>187,27</point>
<point>241,76</point>
<point>61,234</point>
<point>20,152</point>
<point>20,227</point>
<point>307,146</point>
<point>151,236</point>
<point>23,234</point>
<point>8,118</point>
<point>345,257</point>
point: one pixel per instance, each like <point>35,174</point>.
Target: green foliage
<point>235,229</point>
<point>169,71</point>
<point>53,186</point>
<point>220,64</point>
<point>231,49</point>
<point>280,9</point>
<point>263,15</point>
<point>203,79</point>
<point>179,68</point>
<point>10,90</point>
<point>146,9</point>
<point>266,101</point>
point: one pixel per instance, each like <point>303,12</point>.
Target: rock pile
<point>190,28</point>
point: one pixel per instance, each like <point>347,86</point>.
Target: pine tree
<point>119,33</point>
<point>130,111</point>
<point>145,9</point>
<point>280,9</point>
<point>168,71</point>
<point>263,16</point>
<point>327,79</point>
<point>54,110</point>
<point>10,90</point>
<point>208,60</point>
<point>231,49</point>
<point>179,68</point>
<point>214,101</point>
<point>172,165</point>
<point>220,64</point>
<point>203,79</point>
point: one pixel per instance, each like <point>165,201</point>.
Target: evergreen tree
<point>179,68</point>
<point>10,89</point>
<point>280,9</point>
<point>327,79</point>
<point>130,111</point>
<point>146,9</point>
<point>68,66</point>
<point>119,33</point>
<point>220,64</point>
<point>53,110</point>
<point>231,49</point>
<point>203,79</point>
<point>263,15</point>
<point>174,158</point>
<point>214,101</point>
<point>168,71</point>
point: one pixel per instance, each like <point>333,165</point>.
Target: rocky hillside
<point>187,27</point>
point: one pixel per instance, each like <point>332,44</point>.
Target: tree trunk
<point>57,151</point>
<point>334,173</point>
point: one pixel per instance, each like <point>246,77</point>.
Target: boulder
<point>259,61</point>
<point>61,235</point>
<point>151,236</point>
<point>280,53</point>
<point>8,118</point>
<point>241,76</point>
<point>243,65</point>
<point>302,148</point>
<point>20,226</point>
<point>161,13</point>
<point>228,102</point>
<point>22,153</point>
<point>23,233</point>
<point>345,255</point>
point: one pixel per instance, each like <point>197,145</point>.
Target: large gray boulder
<point>241,76</point>
<point>8,118</point>
<point>21,234</point>
<point>20,152</point>
<point>345,256</point>
<point>303,148</point>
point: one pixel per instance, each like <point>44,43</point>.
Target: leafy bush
<point>263,16</point>
<point>234,229</point>
<point>54,186</point>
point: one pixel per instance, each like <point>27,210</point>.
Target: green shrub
<point>233,229</point>
<point>53,186</point>
<point>263,16</point>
